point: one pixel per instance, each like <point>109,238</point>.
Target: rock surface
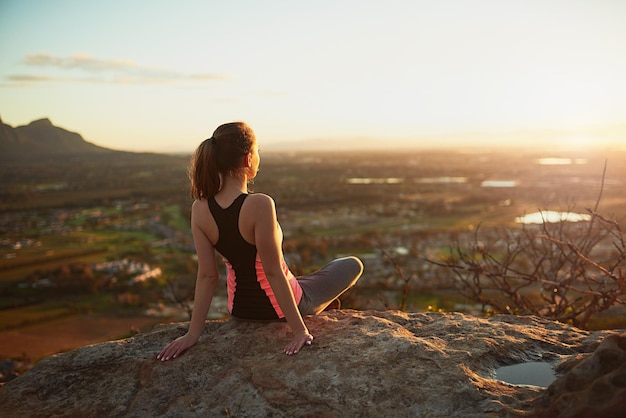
<point>361,364</point>
<point>596,387</point>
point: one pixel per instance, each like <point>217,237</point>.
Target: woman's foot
<point>335,304</point>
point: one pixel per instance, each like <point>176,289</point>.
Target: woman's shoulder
<point>260,199</point>
<point>260,203</point>
<point>198,203</point>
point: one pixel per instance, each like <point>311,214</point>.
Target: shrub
<point>561,271</point>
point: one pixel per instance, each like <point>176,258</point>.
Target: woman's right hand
<point>177,347</point>
<point>299,340</point>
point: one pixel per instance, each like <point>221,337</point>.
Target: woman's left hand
<point>299,340</point>
<point>177,347</point>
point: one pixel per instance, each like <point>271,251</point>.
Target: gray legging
<point>323,286</point>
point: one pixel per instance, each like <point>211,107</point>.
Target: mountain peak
<point>42,122</point>
<point>41,139</point>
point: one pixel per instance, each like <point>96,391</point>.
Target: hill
<point>41,140</point>
<point>44,166</point>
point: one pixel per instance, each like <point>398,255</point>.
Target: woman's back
<point>250,295</point>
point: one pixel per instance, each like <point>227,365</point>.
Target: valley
<point>62,221</point>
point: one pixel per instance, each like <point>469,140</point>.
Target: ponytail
<point>203,174</point>
<point>219,155</point>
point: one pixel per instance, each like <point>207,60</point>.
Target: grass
<point>422,301</point>
<point>18,273</point>
<point>38,313</point>
<point>606,320</point>
<point>34,314</point>
<point>85,246</point>
<point>174,217</point>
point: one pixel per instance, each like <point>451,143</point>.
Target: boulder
<point>595,387</point>
<point>361,364</point>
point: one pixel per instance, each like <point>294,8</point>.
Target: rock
<point>7,370</point>
<point>361,364</point>
<point>596,387</point>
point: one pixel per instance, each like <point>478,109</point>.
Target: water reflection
<point>396,180</point>
<point>535,373</point>
<point>375,180</point>
<point>499,183</point>
<point>561,161</point>
<point>552,217</point>
<point>441,180</point>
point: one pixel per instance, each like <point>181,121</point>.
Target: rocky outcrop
<point>361,364</point>
<point>596,387</point>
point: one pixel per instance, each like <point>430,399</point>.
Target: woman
<point>244,230</point>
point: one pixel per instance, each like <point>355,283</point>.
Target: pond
<point>375,180</point>
<point>534,373</point>
<point>561,161</point>
<point>499,183</point>
<point>549,216</point>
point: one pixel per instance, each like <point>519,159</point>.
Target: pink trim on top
<point>265,285</point>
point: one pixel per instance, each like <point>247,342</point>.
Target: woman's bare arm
<point>268,243</point>
<point>206,282</point>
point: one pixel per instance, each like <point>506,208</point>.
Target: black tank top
<point>250,300</point>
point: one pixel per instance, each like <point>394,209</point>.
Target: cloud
<point>82,68</point>
<point>28,77</point>
<point>79,61</point>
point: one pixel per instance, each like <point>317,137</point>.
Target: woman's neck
<point>234,185</point>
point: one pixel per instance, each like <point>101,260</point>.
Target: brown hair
<point>222,154</point>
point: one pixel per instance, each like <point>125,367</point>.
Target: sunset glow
<point>161,76</point>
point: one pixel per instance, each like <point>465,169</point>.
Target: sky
<point>152,75</point>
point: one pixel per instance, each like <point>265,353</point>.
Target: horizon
<point>158,77</point>
<point>463,143</point>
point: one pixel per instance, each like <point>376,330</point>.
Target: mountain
<point>41,140</point>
